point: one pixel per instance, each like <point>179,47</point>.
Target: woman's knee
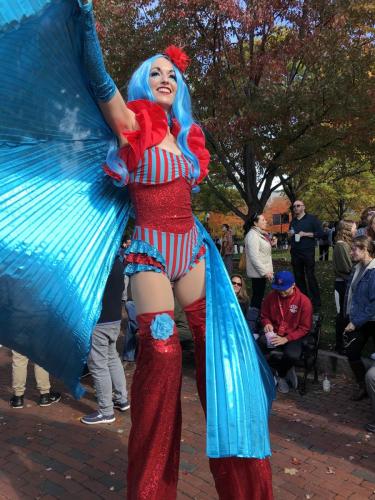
<point>293,350</point>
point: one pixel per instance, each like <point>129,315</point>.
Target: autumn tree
<point>277,85</point>
<point>333,197</point>
<point>333,171</point>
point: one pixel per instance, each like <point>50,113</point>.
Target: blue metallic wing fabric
<point>61,220</point>
<point>240,386</point>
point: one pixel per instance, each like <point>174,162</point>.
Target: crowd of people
<point>278,321</point>
<point>283,318</point>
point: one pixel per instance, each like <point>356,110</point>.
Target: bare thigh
<point>151,292</point>
<point>192,286</point>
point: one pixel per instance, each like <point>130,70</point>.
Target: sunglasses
<point>236,283</point>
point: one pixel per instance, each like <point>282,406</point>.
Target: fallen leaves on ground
<point>290,471</point>
<point>295,461</point>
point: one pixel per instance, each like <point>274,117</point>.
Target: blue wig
<point>139,88</point>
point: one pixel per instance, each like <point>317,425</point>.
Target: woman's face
<point>237,284</point>
<point>359,254</point>
<point>163,82</point>
<point>262,223</point>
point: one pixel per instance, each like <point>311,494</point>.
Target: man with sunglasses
<point>303,231</point>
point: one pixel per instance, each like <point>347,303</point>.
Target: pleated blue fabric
<point>240,385</point>
<point>61,223</point>
<point>61,219</point>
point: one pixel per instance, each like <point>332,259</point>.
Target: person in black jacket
<point>303,231</point>
<point>103,361</point>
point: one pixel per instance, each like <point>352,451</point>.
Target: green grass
<point>325,276</point>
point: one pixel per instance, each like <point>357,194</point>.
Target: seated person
<point>251,313</point>
<point>239,287</point>
<point>286,316</point>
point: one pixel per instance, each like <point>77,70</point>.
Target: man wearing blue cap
<point>286,316</point>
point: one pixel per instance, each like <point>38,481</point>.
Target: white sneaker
<point>283,385</point>
<point>292,378</point>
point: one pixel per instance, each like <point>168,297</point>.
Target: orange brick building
<point>276,212</point>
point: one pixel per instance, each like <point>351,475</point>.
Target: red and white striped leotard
<point>165,237</point>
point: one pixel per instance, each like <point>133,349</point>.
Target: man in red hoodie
<point>286,316</point>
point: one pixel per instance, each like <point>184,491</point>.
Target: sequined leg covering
<point>235,478</point>
<point>154,442</point>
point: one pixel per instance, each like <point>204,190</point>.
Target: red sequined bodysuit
<point>165,238</point>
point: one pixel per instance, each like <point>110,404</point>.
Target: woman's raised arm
<point>111,102</point>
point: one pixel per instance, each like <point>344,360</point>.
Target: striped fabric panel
<point>159,166</point>
<point>176,249</point>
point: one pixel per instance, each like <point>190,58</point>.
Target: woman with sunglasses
<point>239,287</point>
<point>258,252</point>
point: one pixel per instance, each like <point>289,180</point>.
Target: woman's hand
<point>277,341</point>
<point>269,276</point>
<point>268,328</point>
<point>110,101</point>
<point>349,327</point>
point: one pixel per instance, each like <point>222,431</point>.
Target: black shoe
<point>49,398</point>
<point>370,427</point>
<point>121,406</point>
<point>16,401</point>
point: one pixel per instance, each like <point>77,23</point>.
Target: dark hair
<point>250,222</point>
<point>365,243</point>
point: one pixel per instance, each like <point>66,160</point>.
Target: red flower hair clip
<point>178,57</point>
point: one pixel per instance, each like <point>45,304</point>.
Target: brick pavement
<point>320,450</point>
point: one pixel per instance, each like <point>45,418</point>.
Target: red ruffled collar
<point>153,127</point>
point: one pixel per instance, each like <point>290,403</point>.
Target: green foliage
<point>337,190</point>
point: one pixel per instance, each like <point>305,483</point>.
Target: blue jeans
<point>106,368</point>
<point>130,342</point>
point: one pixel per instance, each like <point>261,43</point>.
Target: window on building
<point>276,219</point>
<point>284,218</point>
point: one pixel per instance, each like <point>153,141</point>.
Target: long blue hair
<point>139,88</point>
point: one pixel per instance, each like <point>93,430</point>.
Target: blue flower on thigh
<point>162,326</point>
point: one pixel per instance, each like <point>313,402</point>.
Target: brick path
<point>320,450</point>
